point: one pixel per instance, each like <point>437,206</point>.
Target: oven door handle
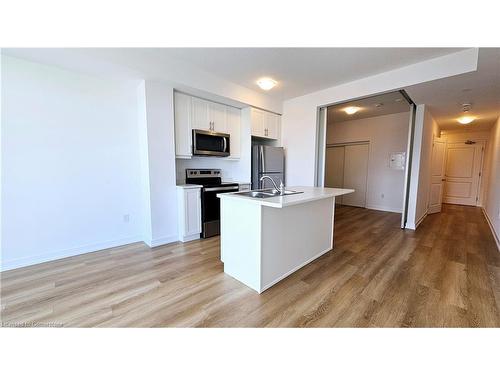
<point>235,188</point>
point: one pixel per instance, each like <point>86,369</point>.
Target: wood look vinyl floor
<point>445,274</point>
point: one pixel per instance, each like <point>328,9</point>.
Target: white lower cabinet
<point>189,212</point>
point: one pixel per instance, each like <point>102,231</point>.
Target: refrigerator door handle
<point>261,152</point>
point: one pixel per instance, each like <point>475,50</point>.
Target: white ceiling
<point>444,97</point>
<point>300,71</point>
<point>379,105</point>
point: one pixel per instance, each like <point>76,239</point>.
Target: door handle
<point>443,179</point>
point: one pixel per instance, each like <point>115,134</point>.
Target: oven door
<point>208,143</point>
<point>210,209</point>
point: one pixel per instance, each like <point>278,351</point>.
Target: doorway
<point>366,144</point>
<point>456,173</point>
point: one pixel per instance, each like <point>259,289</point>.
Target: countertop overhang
<point>308,194</point>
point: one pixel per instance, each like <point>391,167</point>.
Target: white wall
<point>70,163</point>
<point>386,134</point>
<point>159,151</point>
<point>418,202</point>
<point>300,114</point>
<point>492,206</point>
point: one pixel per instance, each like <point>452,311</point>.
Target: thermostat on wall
<point>397,160</point>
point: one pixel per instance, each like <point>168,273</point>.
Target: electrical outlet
<point>126,218</point>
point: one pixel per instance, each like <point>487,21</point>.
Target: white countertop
<point>308,194</point>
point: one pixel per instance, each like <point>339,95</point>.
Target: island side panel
<point>293,236</point>
<point>241,240</point>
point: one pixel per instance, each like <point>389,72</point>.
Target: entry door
<point>355,174</point>
<point>334,172</point>
<point>437,176</point>
<point>462,173</point>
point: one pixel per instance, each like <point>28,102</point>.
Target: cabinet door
<point>257,119</point>
<point>192,201</point>
<point>271,125</point>
<point>200,114</point>
<point>182,122</point>
<point>217,115</point>
<point>233,128</point>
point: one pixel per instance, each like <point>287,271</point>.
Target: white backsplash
<point>232,170</point>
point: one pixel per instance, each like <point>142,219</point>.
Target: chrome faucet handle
<point>282,187</point>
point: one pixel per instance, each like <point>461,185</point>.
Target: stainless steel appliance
<point>209,143</point>
<point>269,161</point>
<point>210,204</point>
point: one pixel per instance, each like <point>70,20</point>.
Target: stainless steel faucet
<point>281,189</point>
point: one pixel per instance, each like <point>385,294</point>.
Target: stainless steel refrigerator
<point>270,161</point>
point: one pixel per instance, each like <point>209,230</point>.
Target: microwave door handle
<point>225,143</point>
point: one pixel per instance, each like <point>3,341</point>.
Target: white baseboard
<point>163,241</point>
<point>47,257</point>
<point>384,208</point>
<point>190,238</point>
<point>497,240</point>
<point>414,226</point>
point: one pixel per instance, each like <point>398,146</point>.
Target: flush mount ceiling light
<point>266,83</point>
<point>464,120</point>
<point>351,110</point>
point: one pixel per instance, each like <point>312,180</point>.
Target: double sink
<point>267,193</point>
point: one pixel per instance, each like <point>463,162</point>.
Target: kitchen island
<point>263,240</point>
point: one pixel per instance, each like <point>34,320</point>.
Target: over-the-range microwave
<point>210,143</point>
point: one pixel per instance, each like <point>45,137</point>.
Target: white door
<point>192,200</point>
<point>217,114</point>
<point>437,176</point>
<point>355,174</point>
<point>462,173</point>
<point>199,114</point>
<point>334,170</point>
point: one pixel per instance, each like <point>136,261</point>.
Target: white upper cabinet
<point>194,113</point>
<point>182,121</point>
<point>200,118</point>
<point>265,124</point>
<point>234,130</point>
<point>257,119</point>
<point>217,115</point>
<point>272,125</point>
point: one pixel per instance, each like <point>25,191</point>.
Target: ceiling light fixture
<point>351,110</point>
<point>266,83</point>
<point>464,120</point>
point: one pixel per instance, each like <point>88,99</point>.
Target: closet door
<point>334,171</point>
<point>355,174</point>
